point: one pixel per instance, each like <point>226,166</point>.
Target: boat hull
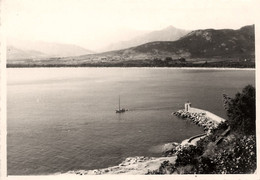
<point>120,110</point>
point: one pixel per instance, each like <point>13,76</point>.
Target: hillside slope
<point>16,53</point>
<point>168,34</point>
<point>207,43</point>
<point>21,49</point>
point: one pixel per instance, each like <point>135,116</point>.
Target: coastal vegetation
<point>222,151</point>
<point>241,111</point>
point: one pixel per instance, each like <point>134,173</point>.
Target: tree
<point>241,111</point>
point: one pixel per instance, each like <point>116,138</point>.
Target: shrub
<point>188,156</point>
<point>222,126</point>
<point>241,111</point>
<point>203,143</point>
<point>165,168</point>
<point>239,157</point>
<point>205,165</point>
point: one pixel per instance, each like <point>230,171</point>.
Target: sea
<point>63,119</point>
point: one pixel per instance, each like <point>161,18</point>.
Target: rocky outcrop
<point>132,165</point>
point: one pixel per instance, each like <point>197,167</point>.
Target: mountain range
<point>208,43</point>
<point>18,49</point>
<point>21,49</point>
<point>226,47</point>
<point>168,34</point>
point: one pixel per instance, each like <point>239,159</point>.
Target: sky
<point>93,24</point>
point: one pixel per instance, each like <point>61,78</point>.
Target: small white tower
<point>187,106</point>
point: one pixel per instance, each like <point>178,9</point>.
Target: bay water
<point>63,119</point>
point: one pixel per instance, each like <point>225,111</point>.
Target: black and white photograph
<point>130,87</point>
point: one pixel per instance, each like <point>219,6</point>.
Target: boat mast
<point>119,102</point>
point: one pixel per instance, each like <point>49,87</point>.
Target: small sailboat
<point>119,110</point>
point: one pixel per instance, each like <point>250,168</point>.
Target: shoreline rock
<point>138,165</point>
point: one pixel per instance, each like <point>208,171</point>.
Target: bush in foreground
<point>241,111</point>
<point>239,159</point>
<point>236,155</point>
<point>165,168</point>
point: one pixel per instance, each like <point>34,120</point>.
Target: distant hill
<point>208,43</point>
<point>168,34</point>
<point>15,53</point>
<point>17,49</point>
<point>199,48</point>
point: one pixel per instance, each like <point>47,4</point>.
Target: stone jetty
<point>203,118</point>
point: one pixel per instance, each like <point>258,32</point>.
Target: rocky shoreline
<point>139,165</point>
